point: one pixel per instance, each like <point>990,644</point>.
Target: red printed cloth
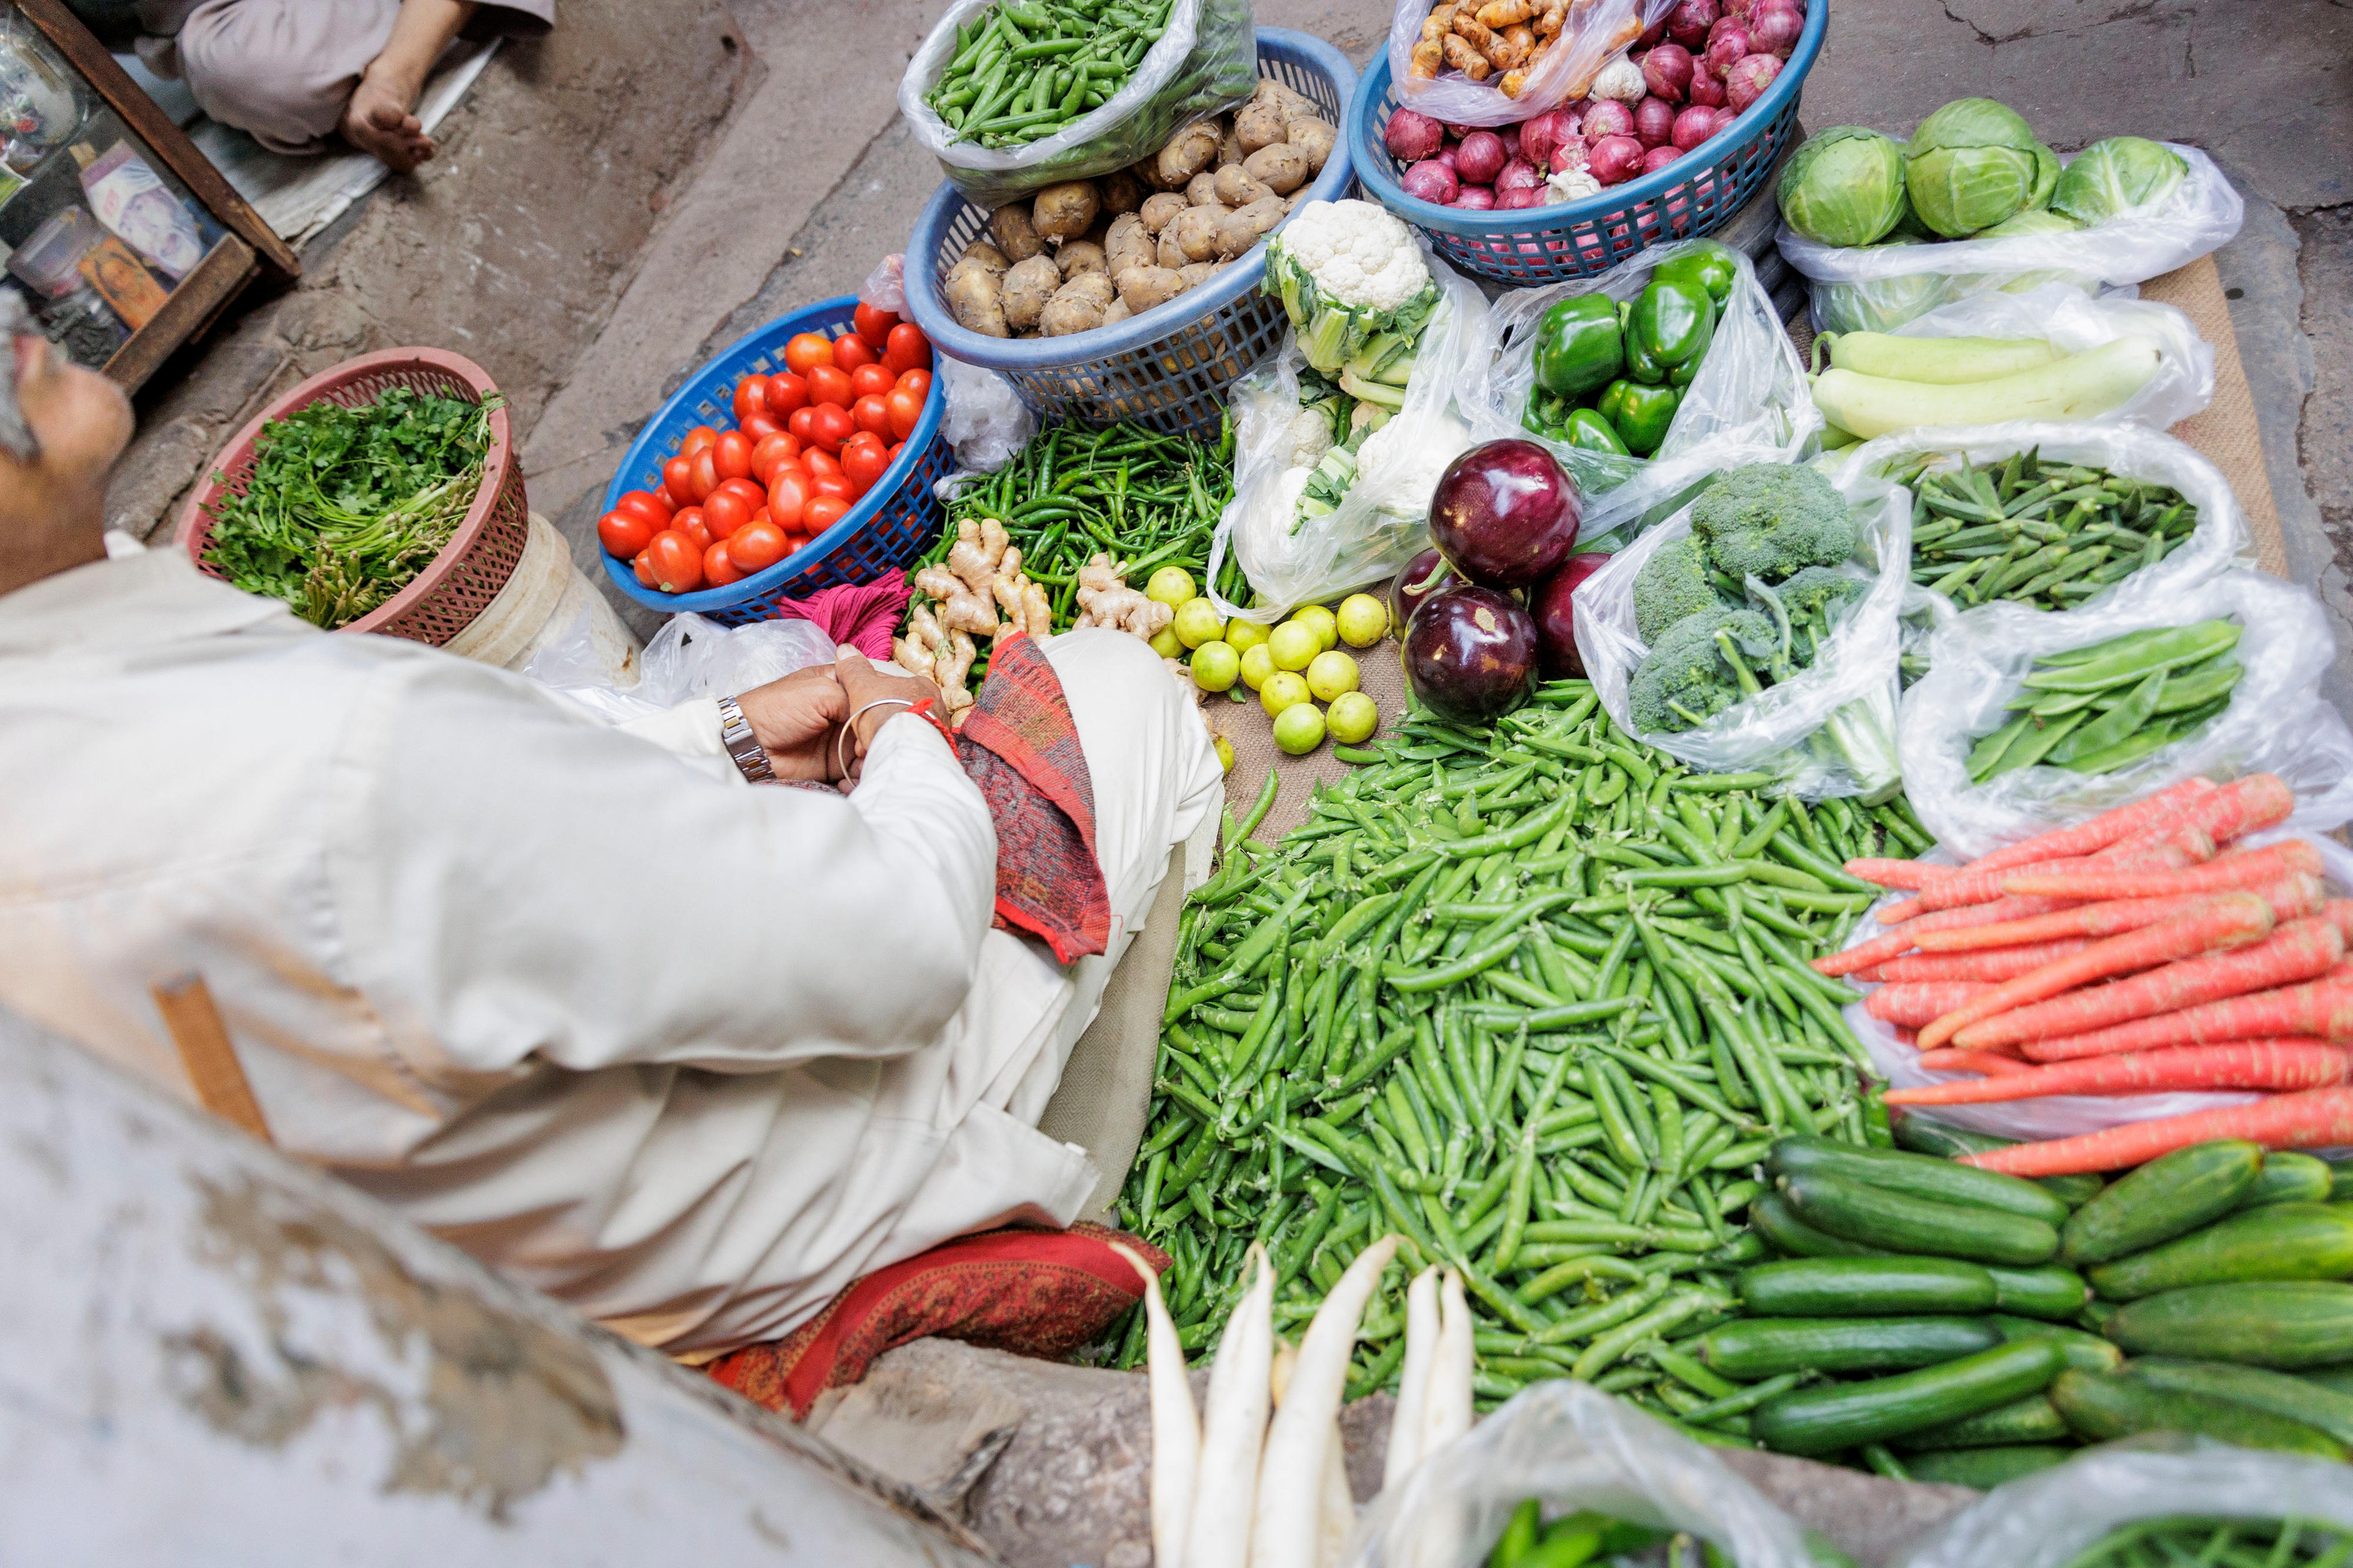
<point>1020,746</point>
<point>1034,1293</point>
<point>861,615</point>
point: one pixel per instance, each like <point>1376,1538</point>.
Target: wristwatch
<point>735,733</point>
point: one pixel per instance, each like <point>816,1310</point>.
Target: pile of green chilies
<point>1023,69</point>
<point>2046,534</point>
<point>1535,998</point>
<point>2184,1542</point>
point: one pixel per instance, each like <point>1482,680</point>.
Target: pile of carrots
<point>2138,952</point>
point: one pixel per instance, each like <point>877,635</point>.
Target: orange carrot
<point>1897,873</point>
<point>1899,911</point>
<point>1990,1063</point>
<point>1915,1003</point>
<point>2276,1064</point>
<point>2250,869</point>
<point>2228,921</point>
<point>2098,833</point>
<point>2243,806</point>
<point>2290,896</point>
<point>2338,913</point>
<point>2315,1118</point>
<point>1984,887</point>
<point>1871,976</point>
<point>2322,1007</point>
<point>1880,949</point>
<point>1904,1036</point>
<point>1991,964</point>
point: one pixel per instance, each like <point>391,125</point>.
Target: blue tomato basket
<point>1695,195</point>
<point>1169,367</point>
<point>891,525</point>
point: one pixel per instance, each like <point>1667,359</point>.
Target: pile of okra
<point>2046,534</point>
<point>1536,998</point>
<point>2222,1543</point>
<point>1025,68</point>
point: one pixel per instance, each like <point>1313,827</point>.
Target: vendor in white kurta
<point>686,1053</point>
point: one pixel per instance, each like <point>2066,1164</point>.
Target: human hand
<point>864,683</point>
<point>797,720</point>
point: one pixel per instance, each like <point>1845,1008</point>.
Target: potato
<point>1171,251</point>
<point>1144,287</point>
<point>1077,306</point>
<point>1201,189</point>
<point>1116,311</point>
<point>987,255</point>
<point>1119,192</point>
<point>1129,244</point>
<point>975,298</point>
<point>1063,211</point>
<point>1245,226</point>
<point>1160,210</point>
<point>1189,151</point>
<point>1027,288</point>
<point>1312,136</point>
<point>1196,231</point>
<point>1014,235</point>
<point>1081,256</point>
<point>1195,273</point>
<point>1293,103</point>
<point>1280,168</point>
<point>1237,189</point>
<point>1231,152</point>
<point>1258,124</point>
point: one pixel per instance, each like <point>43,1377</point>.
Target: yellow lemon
<point>1256,665</point>
<point>1197,622</point>
<point>1244,635</point>
<point>1331,675</point>
<point>1216,667</point>
<point>1283,690</point>
<point>1225,753</point>
<point>1354,718</point>
<point>1362,620</point>
<point>1299,729</point>
<point>1164,644</point>
<point>1327,625</point>
<point>1294,644</point>
<point>1172,585</point>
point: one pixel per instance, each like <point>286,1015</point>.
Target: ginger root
<point>1106,600</point>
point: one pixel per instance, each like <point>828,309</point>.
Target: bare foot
<point>377,120</point>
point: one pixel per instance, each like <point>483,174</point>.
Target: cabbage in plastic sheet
<point>2277,720</point>
<point>1750,389</point>
<point>1204,62</point>
<point>2047,1521</point>
<point>1573,1446</point>
<point>1851,688</point>
<point>1871,286</point>
<point>1596,34</point>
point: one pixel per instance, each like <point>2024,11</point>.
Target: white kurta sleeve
<point>514,879</point>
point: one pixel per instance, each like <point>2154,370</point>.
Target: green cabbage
<point>1879,304</point>
<point>2033,221</point>
<point>1844,186</point>
<point>2118,175</point>
<point>1972,165</point>
<point>2046,177</point>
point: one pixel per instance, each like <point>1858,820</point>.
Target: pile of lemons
<point>1292,665</point>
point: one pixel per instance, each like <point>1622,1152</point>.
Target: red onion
<point>1522,196</point>
<point>1652,35</point>
<point>1751,75</point>
<point>1738,9</point>
<point>1616,158</point>
<point>1474,198</point>
<point>1511,137</point>
<point>1658,158</point>
<point>1445,156</point>
<point>1456,132</point>
<point>1411,137</point>
<point>1706,86</point>
<point>1654,122</point>
<point>1693,126</point>
<point>1607,117</point>
<point>1774,28</point>
<point>1727,42</point>
<point>1479,158</point>
<point>1688,23</point>
<point>1547,131</point>
<point>1570,154</point>
<point>1431,180</point>
<point>1519,174</point>
<point>1667,72</point>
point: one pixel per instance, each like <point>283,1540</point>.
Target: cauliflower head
<point>1359,254</point>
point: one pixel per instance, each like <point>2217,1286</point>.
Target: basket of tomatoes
<point>801,458</point>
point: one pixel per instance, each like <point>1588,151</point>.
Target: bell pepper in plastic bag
<point>1580,348</point>
<point>1589,430</point>
<point>1640,414</point>
<point>1672,320</point>
<point>1709,265</point>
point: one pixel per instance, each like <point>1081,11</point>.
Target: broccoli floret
<point>1672,583</point>
<point>1819,593</point>
<point>1771,521</point>
<point>1702,665</point>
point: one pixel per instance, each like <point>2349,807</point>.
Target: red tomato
<point>624,532</point>
<point>730,456</point>
<point>677,479</point>
<point>691,523</point>
<point>838,486</point>
<point>669,502</point>
<point>644,567</point>
<point>869,381</point>
<point>751,397</point>
<point>771,451</point>
<point>757,428</point>
<point>762,515</point>
<point>802,427</point>
<point>850,351</point>
<point>744,491</point>
<point>907,349</point>
<point>820,461</point>
<point>675,563</point>
<point>699,437</point>
<point>828,385</point>
<point>654,509</point>
<point>795,545</point>
<point>702,476</point>
<point>718,569</point>
<point>823,512</point>
<point>863,461</point>
<point>896,448</point>
<point>806,351</point>
<point>874,325</point>
<point>789,494</point>
<point>724,513</point>
<point>786,391</point>
<point>872,415</point>
<point>832,427</point>
<point>906,411</point>
<point>918,381</point>
<point>757,546</point>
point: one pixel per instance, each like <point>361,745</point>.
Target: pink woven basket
<point>459,584</point>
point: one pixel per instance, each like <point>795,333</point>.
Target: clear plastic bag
<point>1204,62</point>
<point>2277,720</point>
<point>2047,1521</point>
<point>1573,1446</point>
<point>1384,517</point>
<point>885,288</point>
<point>1877,287</point>
<point>2220,542</point>
<point>986,422</point>
<point>1751,389</point>
<point>1851,688</point>
<point>688,658</point>
<point>1595,35</point>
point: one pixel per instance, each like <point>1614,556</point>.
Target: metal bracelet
<point>850,728</point>
<point>742,746</point>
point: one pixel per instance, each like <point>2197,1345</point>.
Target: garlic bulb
<point>1621,78</point>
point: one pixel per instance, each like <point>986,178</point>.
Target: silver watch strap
<point>743,747</point>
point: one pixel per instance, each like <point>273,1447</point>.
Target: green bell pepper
<point>1580,348</point>
<point>1546,414</point>
<point>1593,433</point>
<point>1710,266</point>
<point>1640,413</point>
<point>1642,365</point>
<point>1671,321</point>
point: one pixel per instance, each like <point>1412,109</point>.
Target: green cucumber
<point>2340,1180</point>
<point>2290,1177</point>
<point>2171,1194</point>
<point>2339,1378</point>
<point>2051,1291</point>
<point>1914,1175</point>
<point>2272,1241</point>
<point>2032,1419</point>
<point>2084,1352</point>
<point>1777,1223</point>
<point>2101,1407</point>
<point>1907,1224</point>
<point>1751,1349</point>
<point>2280,1393</point>
<point>1821,1419</point>
<point>1865,1287</point>
<point>2288,1325</point>
<point>1985,1469</point>
<point>1922,1136</point>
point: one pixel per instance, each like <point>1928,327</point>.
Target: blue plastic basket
<point>1169,367</point>
<point>891,525</point>
<point>1695,195</point>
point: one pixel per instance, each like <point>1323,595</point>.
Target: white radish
<point>1413,1382</point>
<point>1233,1429</point>
<point>1449,1411</point>
<point>1288,1530</point>
<point>1339,1512</point>
<point>1176,1429</point>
